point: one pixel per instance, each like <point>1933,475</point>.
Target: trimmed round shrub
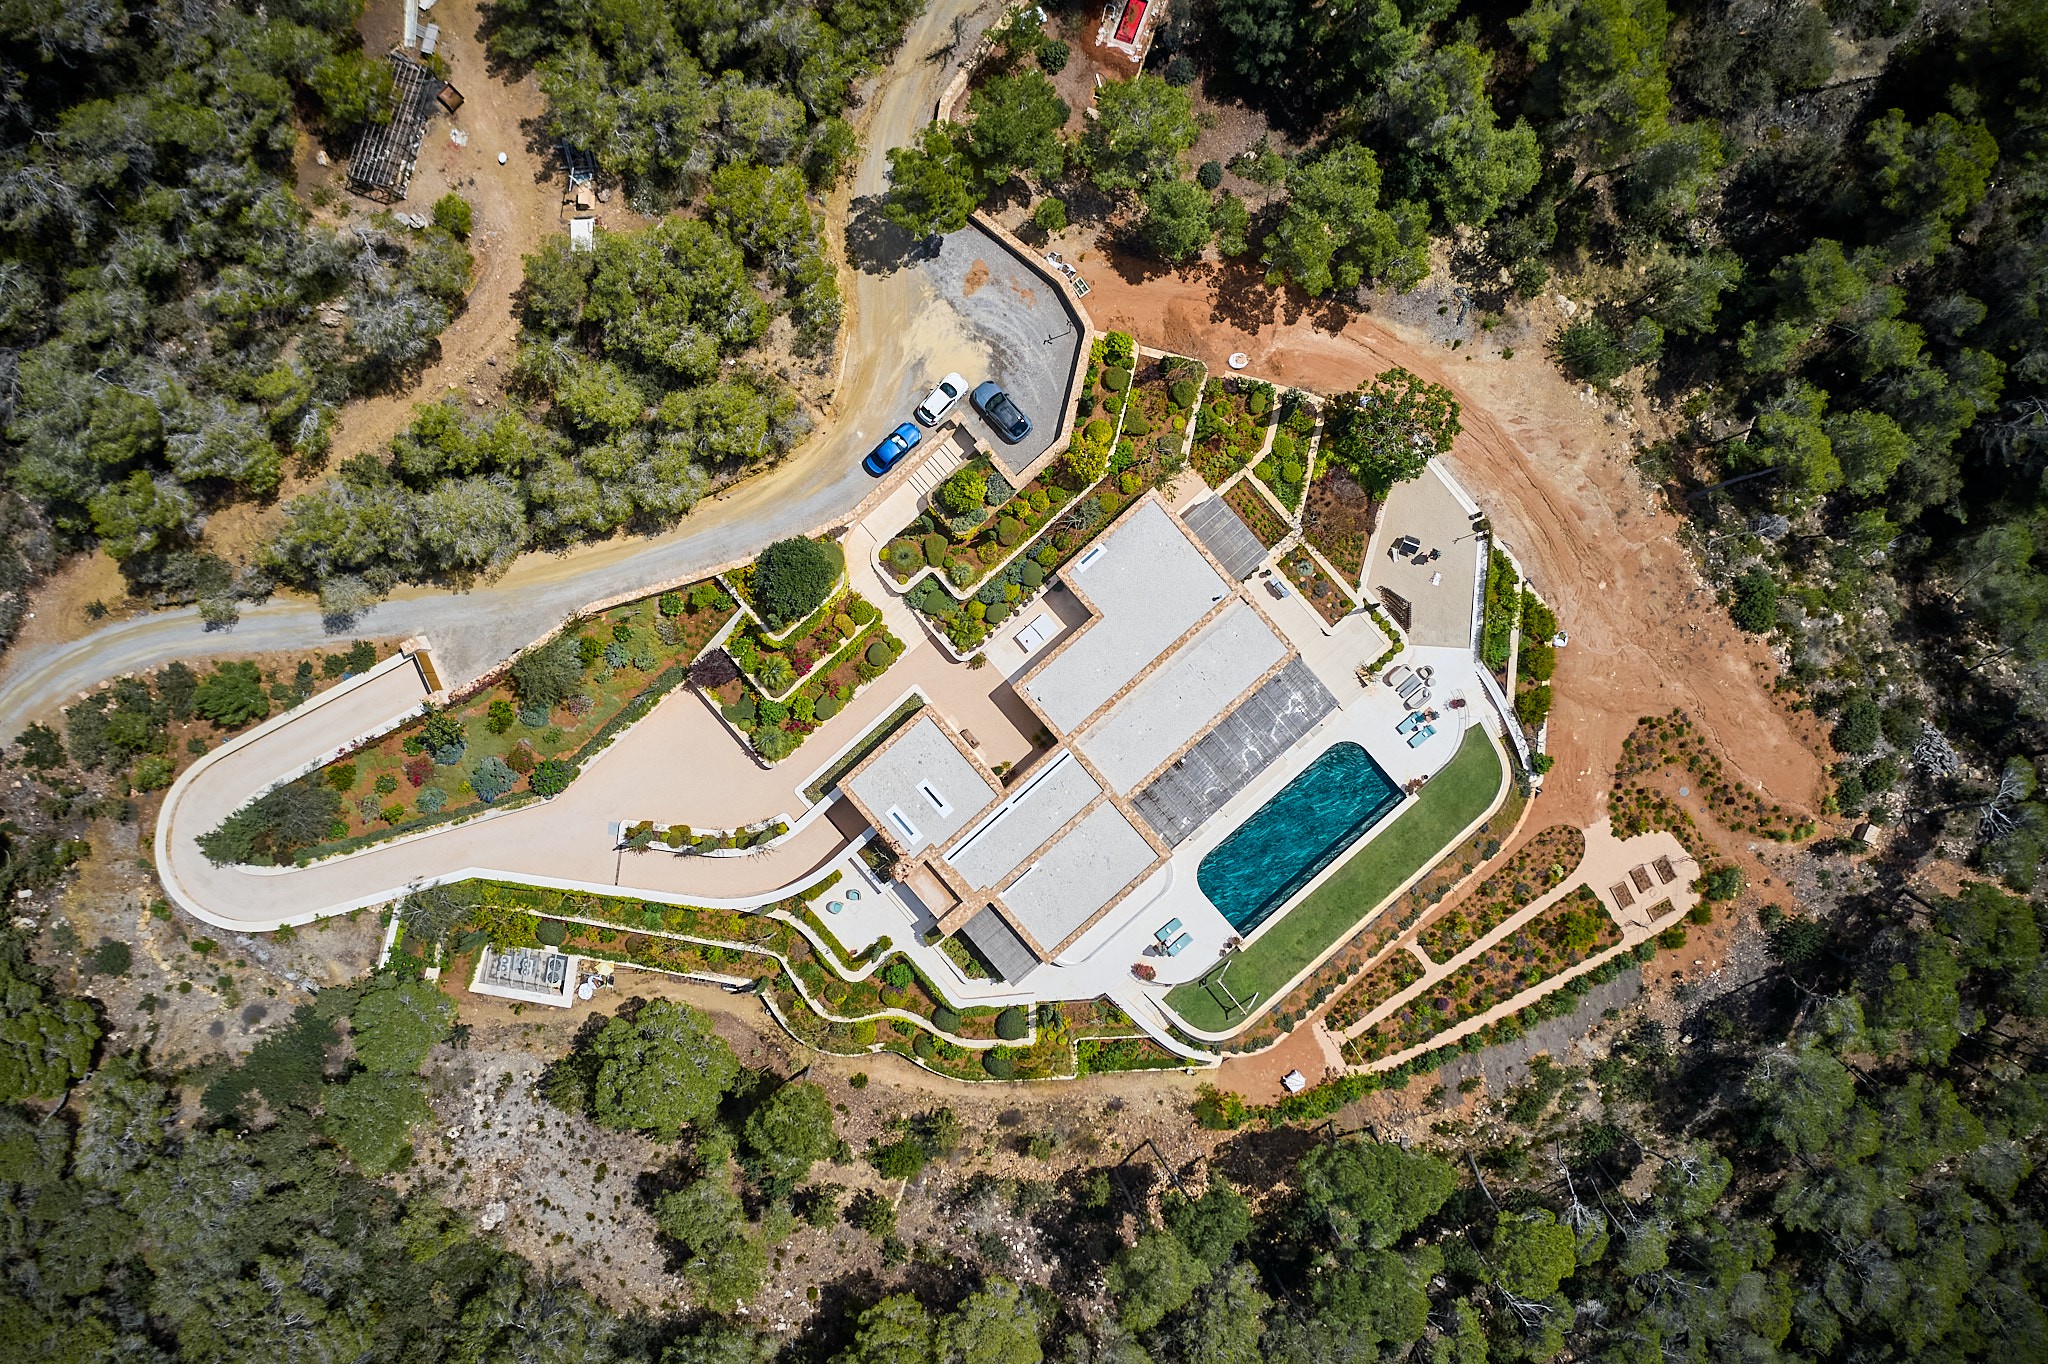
<point>1011,1024</point>
<point>1098,432</point>
<point>1009,531</point>
<point>1182,392</point>
<point>905,556</point>
<point>1053,56</point>
<point>551,932</point>
<point>921,1045</point>
<point>793,577</point>
<point>1030,574</point>
<point>1209,174</point>
<point>880,655</point>
<point>935,546</point>
<point>945,1020</point>
<point>827,707</point>
<point>1283,445</point>
<point>1290,471</point>
<point>1116,380</point>
<point>999,1063</point>
<point>997,613</point>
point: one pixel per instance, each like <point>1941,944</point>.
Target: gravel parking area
<point>1018,325</point>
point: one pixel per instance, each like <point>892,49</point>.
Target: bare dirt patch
<point>977,275</point>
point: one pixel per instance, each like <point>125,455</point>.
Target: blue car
<point>893,448</point>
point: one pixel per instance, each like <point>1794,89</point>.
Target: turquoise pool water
<point>1296,834</point>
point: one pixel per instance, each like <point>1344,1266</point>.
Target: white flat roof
<point>1197,684</point>
<point>1040,809</point>
<point>1150,585</point>
<point>1078,876</point>
<point>921,788</point>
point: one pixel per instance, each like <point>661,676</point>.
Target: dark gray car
<point>995,405</point>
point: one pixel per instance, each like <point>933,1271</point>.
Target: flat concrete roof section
<point>1151,585</point>
<point>1078,876</point>
<point>997,941</point>
<point>1020,825</point>
<point>921,787</point>
<point>1271,721</point>
<point>1224,534</point>
<point>1178,700</point>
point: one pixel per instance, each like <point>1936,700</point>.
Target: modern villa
<point>1213,753</point>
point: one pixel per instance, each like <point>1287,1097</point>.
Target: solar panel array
<point>1224,534</point>
<point>1271,721</point>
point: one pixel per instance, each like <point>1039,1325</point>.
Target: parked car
<point>940,400</point>
<point>893,448</point>
<point>994,404</point>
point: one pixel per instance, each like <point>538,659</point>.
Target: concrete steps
<point>946,455</point>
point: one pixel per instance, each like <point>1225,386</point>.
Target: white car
<point>940,400</point>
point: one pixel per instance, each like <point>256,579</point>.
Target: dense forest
<point>1843,1165</point>
<point>160,283</point>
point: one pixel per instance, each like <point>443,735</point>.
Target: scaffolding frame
<point>386,153</point>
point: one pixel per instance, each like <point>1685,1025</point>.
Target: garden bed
<point>775,665</point>
<point>1535,663</point>
<point>1330,601</point>
<point>1418,836</point>
<point>963,546</point>
<point>1502,607</point>
<point>632,655</point>
<point>1387,977</point>
<point>1541,865</point>
<point>1339,519</point>
<point>777,728</point>
<point>1570,931</point>
<point>1257,513</point>
<point>1231,426</point>
<point>1661,741</point>
<point>1285,467</point>
<point>1164,391</point>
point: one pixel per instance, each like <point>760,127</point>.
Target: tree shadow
<point>877,246</point>
<point>1125,253</point>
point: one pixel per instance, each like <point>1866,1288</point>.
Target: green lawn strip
<point>1450,801</point>
<point>873,740</point>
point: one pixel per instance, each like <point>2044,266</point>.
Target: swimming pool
<point>1296,834</point>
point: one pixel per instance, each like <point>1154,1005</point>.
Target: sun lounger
<point>1408,725</point>
<point>1410,687</point>
<point>1421,736</point>
<point>1179,945</point>
<point>1166,932</point>
<point>1398,674</point>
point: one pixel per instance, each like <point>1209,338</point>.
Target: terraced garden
<point>1569,932</point>
<point>1231,426</point>
<point>1386,978</point>
<point>1339,520</point>
<point>820,669</point>
<point>1284,469</point>
<point>1257,513</point>
<point>1542,864</point>
<point>1665,741</point>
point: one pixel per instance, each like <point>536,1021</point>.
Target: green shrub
<point>342,777</point>
<point>999,1063</point>
<point>945,1020</point>
<point>1182,393</point>
<point>1030,574</point>
<point>1209,174</point>
<point>997,612</point>
<point>1098,432</point>
<point>1532,707</point>
<point>905,556</point>
<point>879,654</point>
<point>154,772</point>
<point>1754,604</point>
<point>775,743</point>
<point>1051,214</point>
<point>935,546</point>
<point>1283,448</point>
<point>1009,530</point>
<point>1116,380</point>
<point>551,932</point>
<point>1119,349</point>
<point>964,492</point>
<point>1011,1024</point>
<point>1290,471</point>
<point>551,777</point>
<point>793,577</point>
<point>453,215</point>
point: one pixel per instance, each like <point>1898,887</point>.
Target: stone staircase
<point>947,454</point>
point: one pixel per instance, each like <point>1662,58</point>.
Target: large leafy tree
<point>1334,233</point>
<point>660,1070</point>
<point>1387,430</point>
<point>793,577</point>
<point>1141,133</point>
<point>790,1131</point>
<point>931,184</point>
<point>1017,119</point>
